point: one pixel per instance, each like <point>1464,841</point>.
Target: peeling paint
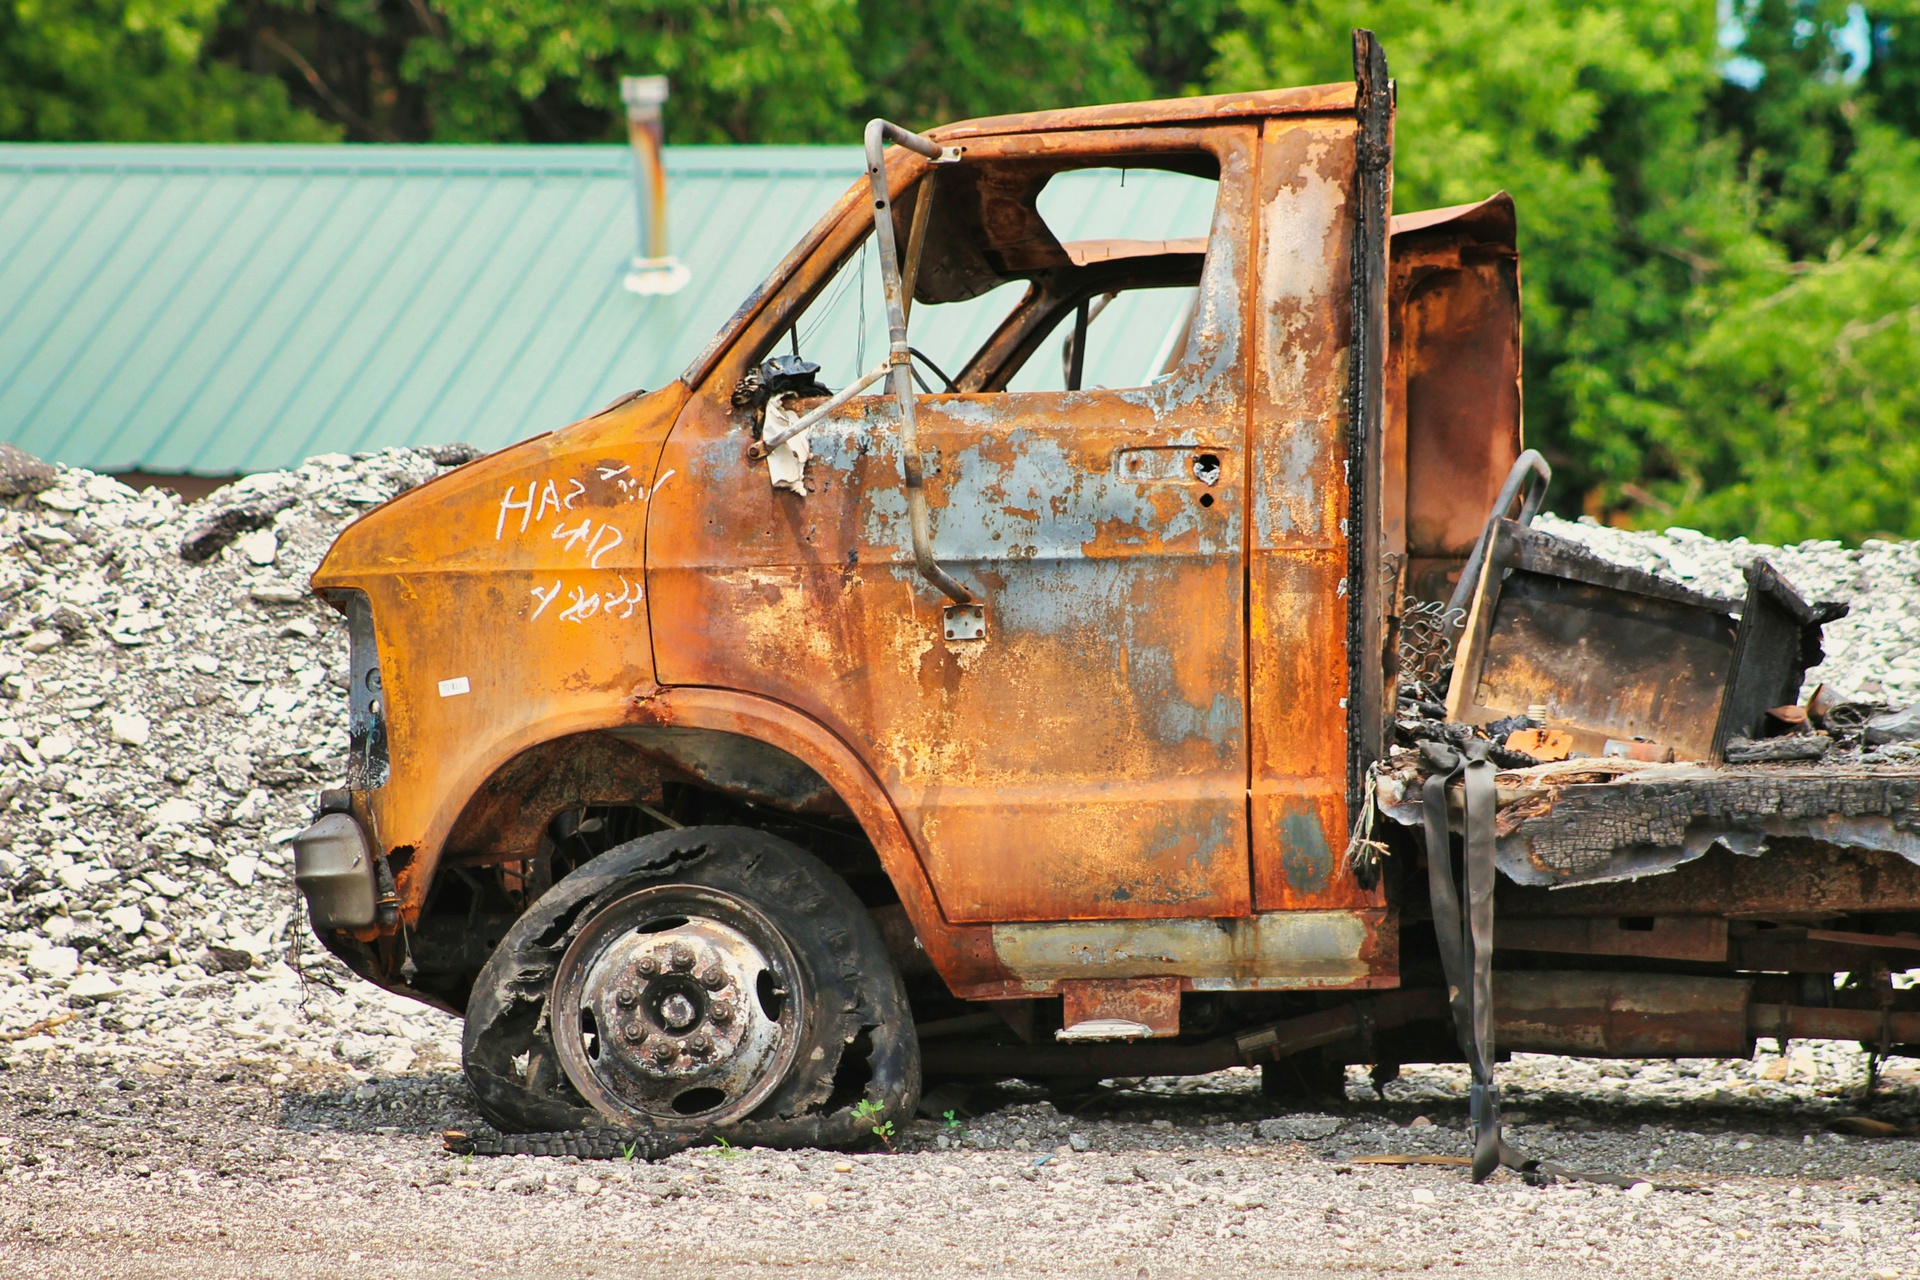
<point>1292,508</point>
<point>1275,950</point>
<point>1297,223</point>
<point>1303,849</point>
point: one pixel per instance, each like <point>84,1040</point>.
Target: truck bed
<point>1587,821</point>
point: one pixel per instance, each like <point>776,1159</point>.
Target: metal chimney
<point>653,269</point>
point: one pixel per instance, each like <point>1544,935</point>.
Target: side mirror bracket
<point>899,367</point>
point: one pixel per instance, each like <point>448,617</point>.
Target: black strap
<point>1465,938</point>
<point>1440,886</point>
<point>1484,1100</point>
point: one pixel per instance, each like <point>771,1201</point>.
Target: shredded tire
<point>830,1097</point>
<point>582,1144</point>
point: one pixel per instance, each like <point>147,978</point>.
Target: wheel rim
<point>677,1004</point>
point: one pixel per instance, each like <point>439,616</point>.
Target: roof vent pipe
<point>653,270</point>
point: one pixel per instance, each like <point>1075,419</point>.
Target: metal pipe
<point>917,242</point>
<point>1593,1014</point>
<point>768,444</point>
<point>1528,463</point>
<point>1072,363</point>
<point>1261,1044</point>
<point>644,96</point>
<point>653,270</point>
<point>1799,1022</point>
<point>899,355</point>
<point>1077,347</point>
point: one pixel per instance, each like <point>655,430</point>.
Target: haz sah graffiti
<point>544,498</point>
<point>591,538</point>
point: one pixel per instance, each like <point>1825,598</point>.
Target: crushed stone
<point>165,723</point>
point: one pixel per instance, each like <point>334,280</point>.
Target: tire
<point>743,988</point>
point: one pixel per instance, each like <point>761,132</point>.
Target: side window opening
<point>1016,254</point>
<point>1135,335</point>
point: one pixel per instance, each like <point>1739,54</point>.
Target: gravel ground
<point>164,728</point>
<point>238,1169</point>
<point>189,1088</point>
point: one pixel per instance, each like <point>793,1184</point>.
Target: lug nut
<point>634,1033</point>
<point>677,1011</point>
<point>649,964</point>
<point>680,956</point>
<point>720,1012</point>
<point>662,1052</point>
<point>625,999</point>
<point>713,977</point>
<point>700,1045</point>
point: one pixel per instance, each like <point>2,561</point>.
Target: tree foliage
<point>1720,204</point>
<point>77,70</point>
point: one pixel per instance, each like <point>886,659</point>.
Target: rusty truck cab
<point>1110,769</point>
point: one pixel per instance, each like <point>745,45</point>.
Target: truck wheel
<point>696,980</point>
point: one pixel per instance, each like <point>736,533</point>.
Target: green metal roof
<point>215,309</point>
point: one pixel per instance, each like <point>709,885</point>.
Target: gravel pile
<point>1873,654</point>
<point>171,698</point>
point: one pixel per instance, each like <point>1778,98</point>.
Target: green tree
<point>134,70</point>
<point>1592,117</point>
<point>752,70</point>
<point>800,70</point>
<point>1797,392</point>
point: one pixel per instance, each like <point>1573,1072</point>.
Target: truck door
<point>1311,572</point>
<point>1087,758</point>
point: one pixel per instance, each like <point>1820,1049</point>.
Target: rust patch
<point>1152,1003</point>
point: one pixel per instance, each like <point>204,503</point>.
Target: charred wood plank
<point>1657,818</point>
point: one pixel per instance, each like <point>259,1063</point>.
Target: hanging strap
<point>1465,938</point>
<point>1484,1100</point>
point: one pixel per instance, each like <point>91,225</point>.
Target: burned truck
<point>749,754</point>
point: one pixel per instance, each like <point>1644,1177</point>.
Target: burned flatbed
<point>1578,822</point>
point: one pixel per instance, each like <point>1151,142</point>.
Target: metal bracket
<point>966,621</point>
<point>1104,1029</point>
<point>879,133</point>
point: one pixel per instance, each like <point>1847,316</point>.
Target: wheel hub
<point>676,1010</point>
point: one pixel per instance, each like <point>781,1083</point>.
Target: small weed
<point>866,1111</point>
<point>953,1121</point>
<point>629,1150</point>
<point>727,1150</point>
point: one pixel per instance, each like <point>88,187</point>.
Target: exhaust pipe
<point>1580,1014</point>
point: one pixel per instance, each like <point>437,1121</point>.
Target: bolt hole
<point>1206,468</point>
<point>662,925</point>
<point>1636,924</point>
<point>1206,499</point>
<point>772,998</point>
<point>694,1101</point>
<point>590,1033</point>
